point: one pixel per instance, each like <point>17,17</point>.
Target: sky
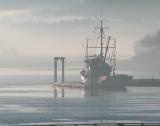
<point>48,28</point>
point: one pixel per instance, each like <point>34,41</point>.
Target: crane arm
<point>107,47</point>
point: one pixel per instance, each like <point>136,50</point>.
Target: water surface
<point>30,98</point>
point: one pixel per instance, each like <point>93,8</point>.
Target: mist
<point>147,52</point>
<point>33,32</point>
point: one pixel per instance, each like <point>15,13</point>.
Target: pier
<point>90,123</point>
<point>56,59</point>
<point>63,83</point>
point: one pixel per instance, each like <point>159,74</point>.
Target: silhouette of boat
<point>100,68</point>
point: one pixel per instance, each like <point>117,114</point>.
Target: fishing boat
<point>100,67</point>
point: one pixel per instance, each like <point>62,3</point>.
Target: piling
<point>56,59</point>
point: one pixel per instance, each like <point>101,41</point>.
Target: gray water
<point>29,98</point>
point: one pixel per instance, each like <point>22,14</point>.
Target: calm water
<point>30,98</point>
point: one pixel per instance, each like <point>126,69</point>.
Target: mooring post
<point>62,92</point>
<point>55,69</point>
<point>62,59</point>
<point>55,92</point>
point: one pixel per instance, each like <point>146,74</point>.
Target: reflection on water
<point>41,103</point>
<point>61,92</point>
<point>143,90</point>
<point>28,100</point>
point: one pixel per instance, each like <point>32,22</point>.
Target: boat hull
<point>114,82</point>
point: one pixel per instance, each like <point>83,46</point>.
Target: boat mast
<point>87,48</point>
<point>101,31</point>
<point>114,59</point>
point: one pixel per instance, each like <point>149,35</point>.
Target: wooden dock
<point>69,84</point>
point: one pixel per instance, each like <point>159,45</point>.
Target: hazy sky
<point>60,27</point>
